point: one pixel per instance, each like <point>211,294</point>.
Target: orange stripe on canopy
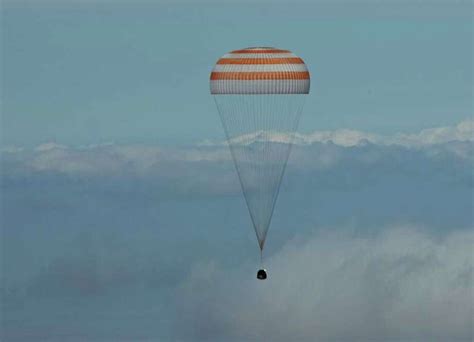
<point>290,60</point>
<point>257,76</point>
<point>261,51</point>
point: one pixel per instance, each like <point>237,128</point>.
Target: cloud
<point>400,285</point>
<point>145,159</point>
<point>49,146</point>
<point>403,284</point>
<point>464,131</point>
<point>441,157</point>
<point>370,240</point>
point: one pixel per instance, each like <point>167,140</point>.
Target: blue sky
<point>122,217</point>
<point>80,72</point>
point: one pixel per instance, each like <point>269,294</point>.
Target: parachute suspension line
<point>230,117</point>
<point>260,130</point>
<point>244,128</point>
<point>294,127</point>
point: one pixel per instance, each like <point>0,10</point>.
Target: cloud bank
<point>371,240</point>
<point>114,159</point>
<point>464,131</point>
<point>402,285</point>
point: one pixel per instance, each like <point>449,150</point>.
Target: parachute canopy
<point>260,94</point>
<point>260,71</point>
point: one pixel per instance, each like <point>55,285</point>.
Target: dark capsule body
<point>262,274</point>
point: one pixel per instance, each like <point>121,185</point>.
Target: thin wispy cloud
<point>59,157</point>
<point>464,131</point>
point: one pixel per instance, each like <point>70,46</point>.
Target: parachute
<point>259,93</point>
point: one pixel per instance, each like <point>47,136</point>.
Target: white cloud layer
<point>323,157</point>
<point>464,131</point>
<point>143,159</point>
<point>147,239</point>
<point>403,285</point>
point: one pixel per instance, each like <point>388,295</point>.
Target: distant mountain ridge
<point>464,131</point>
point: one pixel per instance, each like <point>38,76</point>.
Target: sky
<point>122,216</point>
<point>95,71</point>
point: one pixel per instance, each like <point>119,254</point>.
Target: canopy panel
<point>262,70</point>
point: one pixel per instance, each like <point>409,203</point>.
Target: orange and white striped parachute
<point>262,70</point>
<point>260,94</point>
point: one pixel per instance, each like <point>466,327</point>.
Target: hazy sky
<point>94,71</point>
<point>122,217</point>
